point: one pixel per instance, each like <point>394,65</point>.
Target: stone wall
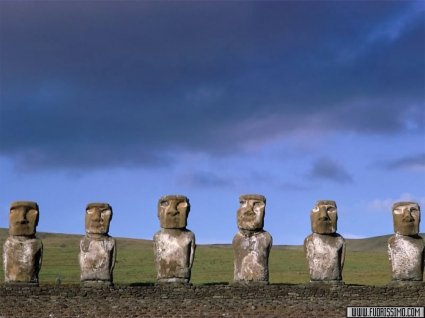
<point>276,300</point>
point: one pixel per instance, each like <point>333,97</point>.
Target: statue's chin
<point>324,229</point>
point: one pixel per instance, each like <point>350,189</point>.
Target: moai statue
<point>22,251</point>
<point>324,248</point>
<point>97,249</point>
<point>251,245</point>
<point>406,249</point>
<point>174,245</point>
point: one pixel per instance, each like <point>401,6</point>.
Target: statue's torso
<point>251,255</point>
<point>22,259</point>
<point>174,253</point>
<point>97,258</point>
<point>406,255</point>
<point>325,256</point>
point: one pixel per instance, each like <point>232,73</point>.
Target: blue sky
<point>126,101</point>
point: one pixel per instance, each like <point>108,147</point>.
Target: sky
<point>125,101</point>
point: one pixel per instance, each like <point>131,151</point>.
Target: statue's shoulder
<point>38,242</point>
<point>267,236</point>
<point>189,234</point>
<point>309,239</point>
<point>340,238</point>
<point>238,236</point>
<point>395,240</point>
<point>157,236</point>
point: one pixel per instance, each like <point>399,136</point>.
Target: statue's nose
<point>407,215</point>
<point>172,211</point>
<point>249,211</point>
<point>22,216</point>
<point>323,215</point>
<point>96,216</point>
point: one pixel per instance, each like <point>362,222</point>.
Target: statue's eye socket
<point>90,211</point>
<point>182,205</point>
<point>164,203</point>
<point>331,209</point>
<point>19,209</point>
<point>31,212</point>
<point>398,211</point>
<point>258,205</point>
<point>315,209</point>
<point>105,213</point>
<point>242,202</point>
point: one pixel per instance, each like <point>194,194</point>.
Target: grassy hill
<point>366,261</point>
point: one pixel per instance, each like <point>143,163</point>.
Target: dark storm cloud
<point>94,84</point>
<point>328,169</point>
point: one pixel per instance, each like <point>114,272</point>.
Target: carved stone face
<point>406,217</point>
<point>173,211</point>
<point>324,217</point>
<point>23,218</point>
<point>98,218</point>
<point>251,212</point>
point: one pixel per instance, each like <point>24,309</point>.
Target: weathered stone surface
<point>173,211</point>
<point>97,259</point>
<point>98,218</point>
<point>324,248</point>
<point>22,251</point>
<point>406,218</point>
<point>174,253</point>
<point>250,215</point>
<point>251,253</point>
<point>251,245</point>
<point>324,217</point>
<point>325,256</point>
<point>23,218</point>
<point>22,257</point>
<point>406,249</point>
<point>97,249</point>
<point>174,245</point>
<point>221,300</point>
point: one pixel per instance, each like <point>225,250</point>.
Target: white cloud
<point>385,205</point>
<point>394,26</point>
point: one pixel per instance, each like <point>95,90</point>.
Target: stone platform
<point>214,300</point>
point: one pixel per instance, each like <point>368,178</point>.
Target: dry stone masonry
<point>324,248</point>
<point>183,300</point>
<point>22,251</point>
<point>406,248</point>
<point>174,245</point>
<point>97,248</point>
<point>251,245</point>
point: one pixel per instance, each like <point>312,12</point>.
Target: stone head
<point>23,218</point>
<point>98,218</point>
<point>324,217</point>
<point>251,212</point>
<point>406,218</point>
<point>173,211</point>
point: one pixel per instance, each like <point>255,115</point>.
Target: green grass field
<point>366,262</point>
